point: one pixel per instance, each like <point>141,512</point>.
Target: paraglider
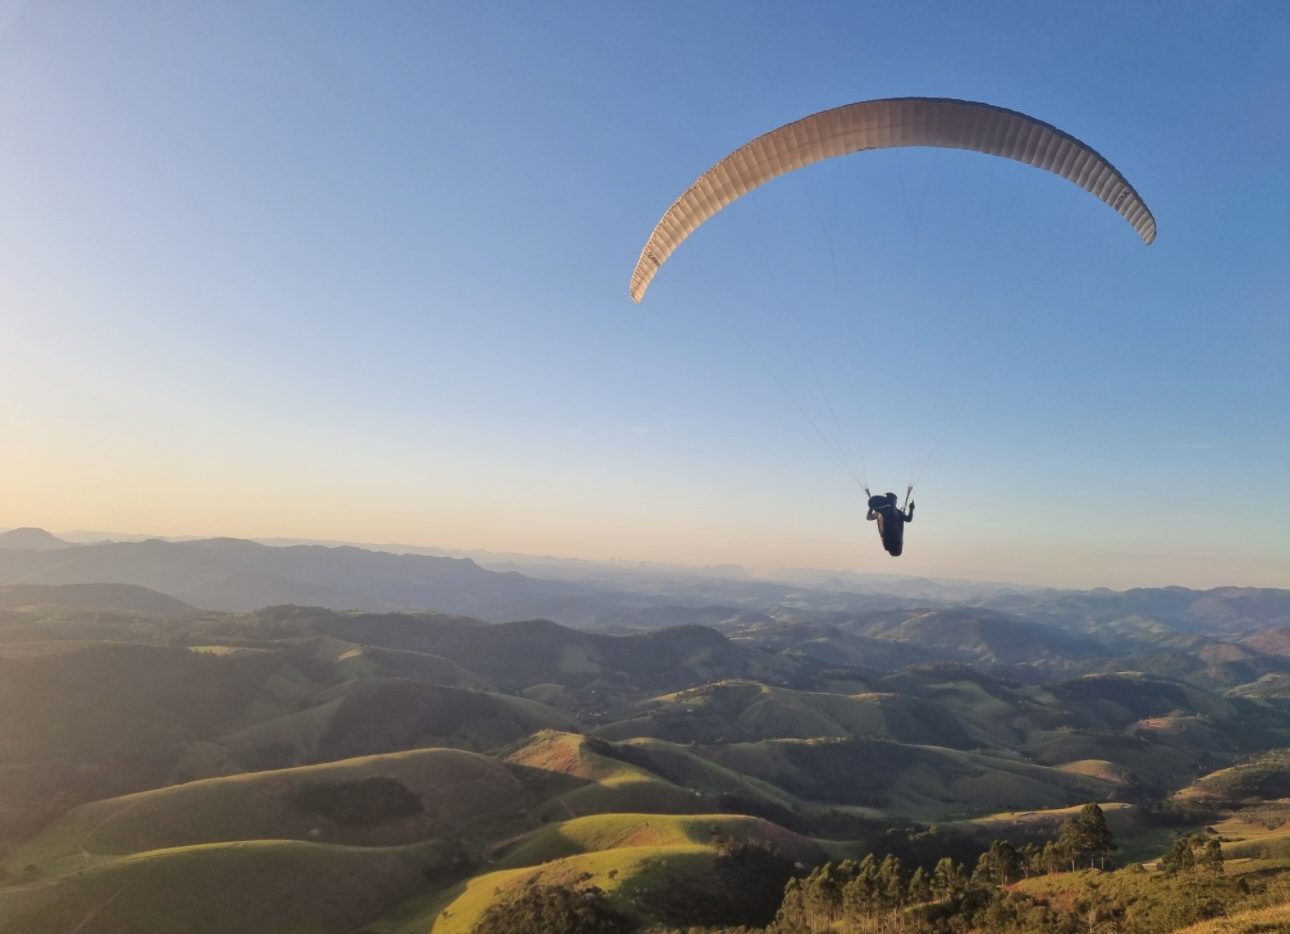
<point>891,521</point>
<point>885,124</point>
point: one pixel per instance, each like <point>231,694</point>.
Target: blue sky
<point>359,271</point>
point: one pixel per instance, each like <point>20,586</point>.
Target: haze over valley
<point>413,740</point>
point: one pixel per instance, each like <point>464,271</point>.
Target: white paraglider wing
<point>886,124</point>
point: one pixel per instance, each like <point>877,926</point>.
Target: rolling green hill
<point>615,831</point>
<point>518,655</point>
<point>610,784</point>
<point>926,782</point>
<point>103,598</point>
<point>1263,776</point>
<point>985,636</point>
<point>1255,921</point>
<point>252,887</point>
<point>422,767</point>
<point>742,711</point>
<point>108,719</point>
<point>634,877</point>
<point>399,798</point>
<point>375,715</point>
<point>685,875</point>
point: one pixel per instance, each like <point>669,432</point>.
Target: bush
<point>744,888</point>
<point>555,910</point>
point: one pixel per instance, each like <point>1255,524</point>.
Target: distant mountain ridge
<point>122,598</point>
<point>518,655</point>
<point>31,539</point>
<point>237,576</point>
<point>1229,611</point>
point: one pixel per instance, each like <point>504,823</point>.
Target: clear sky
<point>359,271</point>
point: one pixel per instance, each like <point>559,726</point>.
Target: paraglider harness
<point>891,520</point>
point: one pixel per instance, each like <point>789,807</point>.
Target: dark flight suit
<point>891,523</point>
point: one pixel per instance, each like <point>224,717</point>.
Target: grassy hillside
<point>353,660</point>
<point>670,884</point>
<point>308,750</point>
<point>1157,901</point>
<point>1206,663</point>
<point>688,768</point>
<point>1138,837</point>
<point>984,636</point>
<point>1234,610</point>
<point>518,655</point>
<point>917,781</point>
<point>634,877</point>
<point>253,887</point>
<point>609,784</point>
<point>376,801</point>
<point>615,831</point>
<point>741,711</point>
<point>375,715</point>
<point>381,715</point>
<point>1135,758</point>
<point>105,701</point>
<point>1255,921</point>
<point>109,598</point>
<point>1108,701</point>
<point>1263,776</point>
<point>109,719</point>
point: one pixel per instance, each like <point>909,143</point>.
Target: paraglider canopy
<point>884,124</point>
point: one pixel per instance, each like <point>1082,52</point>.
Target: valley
<point>406,771</point>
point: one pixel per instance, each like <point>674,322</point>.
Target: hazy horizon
<point>337,272</point>
<point>80,536</point>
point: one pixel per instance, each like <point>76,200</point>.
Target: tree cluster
<point>1086,836</point>
<point>837,892</point>
<point>885,895</point>
<point>743,888</point>
<point>1194,854</point>
<point>553,909</point>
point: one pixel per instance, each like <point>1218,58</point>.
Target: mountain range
<point>403,741</point>
<point>237,575</point>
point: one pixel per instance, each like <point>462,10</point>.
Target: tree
<point>1194,854</point>
<point>858,895</point>
<point>891,883</point>
<point>1180,858</point>
<point>948,879</point>
<point>1052,857</point>
<point>1086,836</point>
<point>920,889</point>
<point>1031,859</point>
<point>822,893</point>
<point>1210,858</point>
<point>999,865</point>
